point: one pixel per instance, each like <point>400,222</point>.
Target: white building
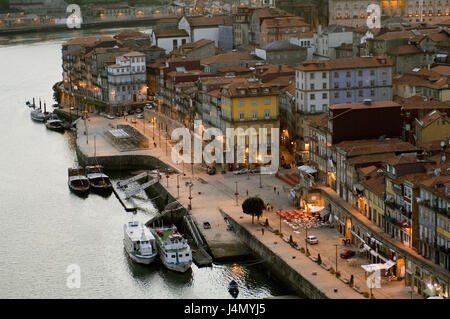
<point>127,79</point>
<point>306,40</point>
<point>331,37</point>
<point>207,28</point>
<point>170,39</point>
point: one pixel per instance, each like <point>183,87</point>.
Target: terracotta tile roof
<point>234,68</point>
<point>420,102</point>
<point>375,182</point>
<point>368,147</point>
<point>404,50</point>
<point>345,63</point>
<point>436,184</point>
<point>262,89</point>
<point>361,105</point>
<point>227,58</point>
<point>171,33</point>
<point>319,120</point>
<point>215,93</point>
<point>210,21</point>
<point>366,171</point>
<point>273,68</point>
<point>276,22</point>
<point>222,80</point>
<point>290,89</point>
<point>283,81</point>
<point>368,159</point>
<point>196,44</point>
<point>270,12</point>
<point>88,41</point>
<point>423,77</point>
<point>402,159</point>
<point>433,116</point>
<point>442,69</point>
<point>438,37</point>
<point>131,35</point>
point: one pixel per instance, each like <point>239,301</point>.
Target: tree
<point>253,206</point>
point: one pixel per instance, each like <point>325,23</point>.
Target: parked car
<point>347,253</point>
<point>109,116</point>
<point>148,106</point>
<point>211,170</point>
<point>241,171</point>
<point>131,112</point>
<point>312,239</point>
<point>138,110</point>
<point>255,170</point>
<point>140,116</point>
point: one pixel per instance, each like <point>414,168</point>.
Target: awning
<point>307,169</point>
<point>371,267</point>
<point>324,212</point>
<point>388,264</point>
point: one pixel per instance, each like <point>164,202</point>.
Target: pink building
<point>281,28</point>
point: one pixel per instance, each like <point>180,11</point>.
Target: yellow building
<point>434,126</point>
<point>250,105</point>
<point>371,200</point>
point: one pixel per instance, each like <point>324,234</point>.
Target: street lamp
<point>178,185</point>
<point>248,163</point>
<point>259,161</point>
<point>336,256</point>
<point>236,193</point>
<point>190,195</point>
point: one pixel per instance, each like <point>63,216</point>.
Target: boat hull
<point>79,190</point>
<point>39,119</point>
<point>177,267</point>
<point>60,129</point>
<point>144,260</point>
<point>101,189</point>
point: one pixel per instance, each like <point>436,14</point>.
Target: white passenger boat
<point>173,248</point>
<point>139,242</point>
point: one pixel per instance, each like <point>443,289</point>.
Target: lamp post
<point>259,161</point>
<point>248,163</point>
<point>336,245</point>
<point>306,237</point>
<point>236,193</point>
<point>178,185</point>
<point>190,196</point>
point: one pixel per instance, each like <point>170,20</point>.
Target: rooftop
<point>345,63</point>
<point>229,57</point>
<point>362,105</point>
<point>170,33</point>
<point>373,146</point>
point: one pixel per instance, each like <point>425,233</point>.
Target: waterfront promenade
<point>211,193</point>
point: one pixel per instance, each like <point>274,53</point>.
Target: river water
<point>45,228</point>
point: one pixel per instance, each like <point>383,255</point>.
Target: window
<point>360,93</point>
<point>324,75</point>
<point>336,74</point>
<point>241,116</point>
<point>347,74</point>
<point>336,95</point>
<point>349,94</point>
<point>372,83</point>
<point>360,83</point>
<point>254,115</point>
<point>349,84</point>
<point>384,82</point>
<point>336,85</point>
<point>312,86</point>
<point>311,76</point>
<point>372,72</point>
<point>324,107</point>
<point>324,86</point>
<point>360,73</point>
<point>313,108</point>
<point>324,95</point>
<point>241,102</point>
<point>267,114</point>
<point>175,44</point>
<point>372,92</point>
<point>254,102</point>
<point>312,96</point>
<point>267,101</point>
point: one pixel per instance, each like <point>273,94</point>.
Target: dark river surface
<point>45,228</point>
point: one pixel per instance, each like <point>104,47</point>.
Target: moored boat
<point>55,124</point>
<point>173,249</point>
<point>139,243</point>
<point>37,115</point>
<point>78,182</point>
<point>98,180</point>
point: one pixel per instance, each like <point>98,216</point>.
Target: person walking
<point>262,231</point>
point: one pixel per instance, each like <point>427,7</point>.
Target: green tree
<point>253,206</point>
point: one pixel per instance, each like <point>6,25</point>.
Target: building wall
<point>407,62</point>
<point>438,130</point>
<point>167,43</point>
<point>289,57</point>
<point>366,124</point>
